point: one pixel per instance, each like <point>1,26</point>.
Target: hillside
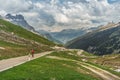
<point>105,40</point>
<point>17,41</point>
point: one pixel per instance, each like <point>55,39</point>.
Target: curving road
<point>9,63</point>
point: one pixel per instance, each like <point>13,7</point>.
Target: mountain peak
<point>19,16</point>
<point>18,19</point>
<point>15,17</point>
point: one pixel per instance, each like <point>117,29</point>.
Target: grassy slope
<point>23,33</point>
<point>14,50</point>
<point>45,69</point>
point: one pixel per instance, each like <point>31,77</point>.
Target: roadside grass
<point>14,50</point>
<point>45,69</point>
<point>11,50</point>
<point>20,51</point>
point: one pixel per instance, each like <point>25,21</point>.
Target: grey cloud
<point>95,21</point>
<point>14,6</point>
<point>46,18</point>
<point>74,1</point>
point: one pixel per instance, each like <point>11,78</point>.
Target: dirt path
<point>105,75</point>
<point>9,63</point>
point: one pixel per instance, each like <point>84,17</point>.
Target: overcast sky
<point>55,15</point>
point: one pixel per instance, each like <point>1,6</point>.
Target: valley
<point>59,39</point>
<point>60,63</point>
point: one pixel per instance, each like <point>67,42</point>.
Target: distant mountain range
<point>59,37</point>
<point>69,34</point>
<point>105,40</point>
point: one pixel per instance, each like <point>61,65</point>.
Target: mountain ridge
<point>101,41</point>
<point>69,34</point>
<point>18,19</point>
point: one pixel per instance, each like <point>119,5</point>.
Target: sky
<point>56,15</point>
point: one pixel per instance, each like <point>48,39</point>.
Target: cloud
<point>113,1</point>
<point>63,14</point>
<point>3,13</point>
<point>61,18</point>
<point>38,5</point>
<point>14,6</point>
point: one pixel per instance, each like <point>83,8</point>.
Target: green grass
<point>88,54</point>
<point>11,52</point>
<point>44,69</point>
<point>65,54</point>
<point>8,44</point>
